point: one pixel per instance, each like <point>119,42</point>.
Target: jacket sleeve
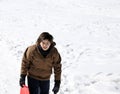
<point>25,62</point>
<point>57,66</point>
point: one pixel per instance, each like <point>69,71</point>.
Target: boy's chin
<point>45,49</point>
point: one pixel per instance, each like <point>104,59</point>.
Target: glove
<point>56,86</point>
<point>22,80</point>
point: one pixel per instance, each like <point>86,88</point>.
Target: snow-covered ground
<point>87,33</point>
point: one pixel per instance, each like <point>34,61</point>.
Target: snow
<point>87,33</point>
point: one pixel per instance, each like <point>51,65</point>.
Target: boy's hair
<point>43,36</point>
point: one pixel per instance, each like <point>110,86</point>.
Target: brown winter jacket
<point>39,67</point>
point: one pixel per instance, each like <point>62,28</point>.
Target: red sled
<point>24,90</point>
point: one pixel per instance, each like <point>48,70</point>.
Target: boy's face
<point>45,44</point>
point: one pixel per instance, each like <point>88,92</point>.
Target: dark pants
<point>38,86</point>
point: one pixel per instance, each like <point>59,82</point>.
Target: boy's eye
<point>45,43</point>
